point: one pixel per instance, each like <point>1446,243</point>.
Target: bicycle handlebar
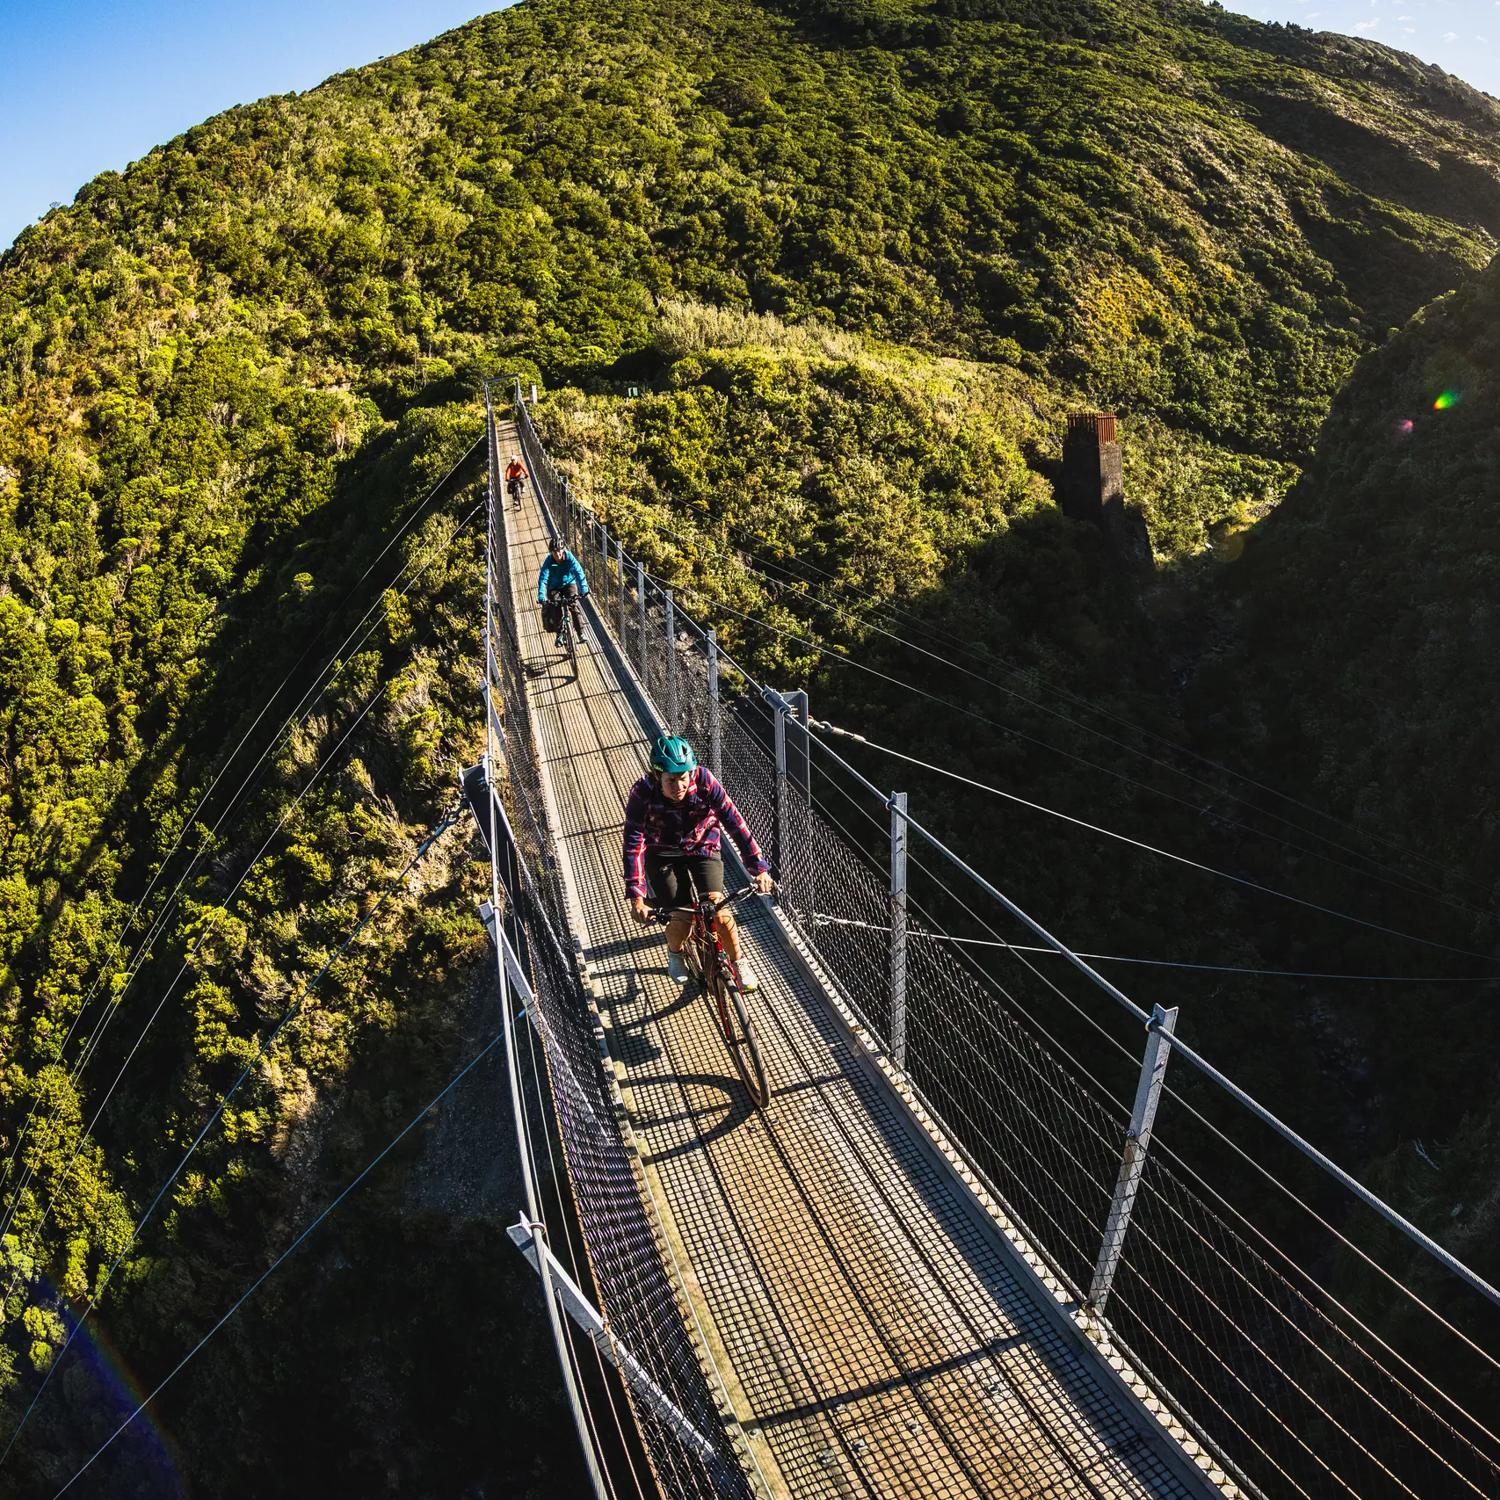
<point>661,911</point>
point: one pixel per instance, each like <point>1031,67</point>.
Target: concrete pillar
<point>1092,481</point>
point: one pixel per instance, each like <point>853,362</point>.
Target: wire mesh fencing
<point>1291,1392</point>
<point>684,1436</point>
<point>670,1395</point>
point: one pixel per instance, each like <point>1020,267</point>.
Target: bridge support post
<point>640,606</point>
<point>605,551</point>
<point>620,569</point>
<point>715,742</point>
<point>603,539</point>
<point>898,929</point>
<point>778,828</point>
<point>799,751</point>
<point>1133,1160</point>
<point>533,391</point>
<point>671,636</point>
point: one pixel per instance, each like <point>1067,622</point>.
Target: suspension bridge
<point>941,1262</point>
<point>954,1255</point>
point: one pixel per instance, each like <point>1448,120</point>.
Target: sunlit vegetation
<point>862,257</point>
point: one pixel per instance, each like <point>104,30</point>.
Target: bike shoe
<point>748,981</point>
<point>676,969</point>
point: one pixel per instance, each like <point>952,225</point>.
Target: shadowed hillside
<point>862,256</point>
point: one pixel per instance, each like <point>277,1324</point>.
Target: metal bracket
<point>586,1316</point>
<point>1133,1159</point>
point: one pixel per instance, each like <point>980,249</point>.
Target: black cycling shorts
<point>670,876</point>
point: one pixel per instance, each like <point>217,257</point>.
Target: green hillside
<point>1365,664</point>
<point>863,257</point>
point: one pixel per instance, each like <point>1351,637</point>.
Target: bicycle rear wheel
<point>739,1037</point>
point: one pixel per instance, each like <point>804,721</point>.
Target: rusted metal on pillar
<point>1133,1160</point>
<point>1092,473</point>
<point>715,733</point>
<point>898,929</point>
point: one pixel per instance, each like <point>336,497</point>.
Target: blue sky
<point>91,85</point>
<point>94,84</point>
<point>1462,36</point>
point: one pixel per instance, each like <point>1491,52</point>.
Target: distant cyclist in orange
<point>515,479</point>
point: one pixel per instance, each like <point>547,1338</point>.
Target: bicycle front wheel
<point>739,1037</point>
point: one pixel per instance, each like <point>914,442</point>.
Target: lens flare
<point>1404,427</point>
<point>1447,400</point>
<point>101,1388</point>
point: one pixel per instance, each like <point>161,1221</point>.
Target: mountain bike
<point>516,486</point>
<point>566,628</point>
<point>709,967</point>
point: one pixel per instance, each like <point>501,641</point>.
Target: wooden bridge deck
<point>874,1333</point>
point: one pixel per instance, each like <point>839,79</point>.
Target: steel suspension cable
<point>1352,1184</point>
<point>1408,885</point>
<point>183,967</point>
<point>1162,1146</point>
<point>303,708</point>
<point>1030,675</point>
<point>262,1049</point>
<point>983,718</point>
<point>1180,859</point>
<point>285,1255</point>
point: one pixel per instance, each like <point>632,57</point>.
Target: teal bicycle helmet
<point>672,754</point>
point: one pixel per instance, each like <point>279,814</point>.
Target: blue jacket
<point>558,575</point>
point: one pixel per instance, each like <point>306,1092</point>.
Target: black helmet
<point>556,544</point>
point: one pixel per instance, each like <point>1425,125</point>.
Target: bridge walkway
<point>874,1331</point>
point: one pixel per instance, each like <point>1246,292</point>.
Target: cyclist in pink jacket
<point>672,821</point>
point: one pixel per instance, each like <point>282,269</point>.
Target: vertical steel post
<point>778,830</point>
<point>715,743</point>
<point>604,566</point>
<point>898,929</point>
<point>1133,1160</point>
<point>640,606</point>
<point>799,754</point>
<point>620,569</point>
<point>533,393</point>
<point>671,636</point>
<point>587,1317</point>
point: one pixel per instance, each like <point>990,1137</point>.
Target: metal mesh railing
<point>684,1434</point>
<point>1270,1374</point>
<point>681,1429</point>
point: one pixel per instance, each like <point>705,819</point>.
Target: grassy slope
<point>224,373</point>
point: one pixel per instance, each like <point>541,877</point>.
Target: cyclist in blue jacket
<point>561,584</point>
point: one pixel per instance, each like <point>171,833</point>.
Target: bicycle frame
<point>569,631</point>
<point>709,964</point>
